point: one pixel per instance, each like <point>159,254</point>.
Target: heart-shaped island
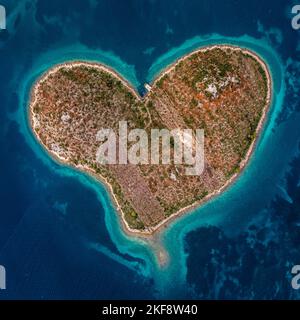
<point>224,90</point>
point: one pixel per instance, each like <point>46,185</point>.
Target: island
<point>224,90</point>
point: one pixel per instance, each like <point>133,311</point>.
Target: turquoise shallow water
<point>63,239</point>
<point>213,212</point>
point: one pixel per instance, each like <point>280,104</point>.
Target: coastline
<point>151,231</point>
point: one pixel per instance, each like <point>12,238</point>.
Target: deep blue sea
<point>60,237</point>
